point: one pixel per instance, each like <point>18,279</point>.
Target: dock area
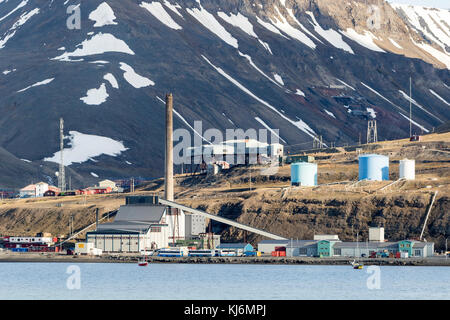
<point>130,258</point>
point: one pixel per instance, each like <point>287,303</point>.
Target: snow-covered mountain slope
<point>431,23</point>
<point>305,67</point>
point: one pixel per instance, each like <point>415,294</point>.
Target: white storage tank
<point>304,174</point>
<point>373,167</point>
<point>407,169</point>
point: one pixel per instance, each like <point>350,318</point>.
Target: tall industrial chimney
<point>168,188</point>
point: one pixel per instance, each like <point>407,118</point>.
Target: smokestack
<point>168,188</point>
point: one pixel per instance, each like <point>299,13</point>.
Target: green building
<point>325,248</point>
<point>298,158</point>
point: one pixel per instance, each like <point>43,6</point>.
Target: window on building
<point>417,253</point>
<point>302,251</point>
<point>337,252</point>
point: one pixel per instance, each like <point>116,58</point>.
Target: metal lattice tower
<point>372,134</point>
<point>62,174</point>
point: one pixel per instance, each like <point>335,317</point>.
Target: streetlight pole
<point>446,255</point>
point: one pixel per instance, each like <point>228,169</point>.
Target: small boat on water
<point>356,265</point>
<point>143,262</point>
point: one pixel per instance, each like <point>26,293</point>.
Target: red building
<point>97,190</point>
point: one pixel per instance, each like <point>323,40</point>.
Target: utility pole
<point>410,107</point>
<point>96,219</point>
<point>61,175</point>
<point>446,255</point>
<point>71,225</point>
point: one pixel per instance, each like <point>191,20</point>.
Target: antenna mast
<point>61,176</point>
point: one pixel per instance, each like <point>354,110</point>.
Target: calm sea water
<point>212,282</point>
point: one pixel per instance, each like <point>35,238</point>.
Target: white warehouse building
<point>143,224</point>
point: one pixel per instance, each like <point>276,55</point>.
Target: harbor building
<point>302,248</point>
<point>333,248</point>
<point>135,228</point>
<point>145,224</point>
<point>267,246</point>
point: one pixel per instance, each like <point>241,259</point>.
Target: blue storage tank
<point>373,167</point>
<point>304,174</point>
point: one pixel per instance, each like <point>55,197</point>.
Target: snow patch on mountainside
<point>250,60</point>
<point>330,35</point>
<point>98,44</point>
<point>439,97</point>
<point>158,11</point>
<point>330,113</point>
<point>240,21</point>
<point>8,71</point>
<point>283,25</point>
<point>431,22</point>
<point>21,5</point>
<point>37,84</point>
<point>96,96</point>
<point>278,79</point>
<point>395,43</point>
<point>345,84</point>
<point>173,7</point>
<point>211,23</point>
<point>112,80</point>
<point>291,14</point>
<point>439,55</point>
<point>415,123</point>
<point>269,128</point>
<point>103,15</point>
<point>84,147</point>
<point>366,40</point>
<point>12,31</point>
<point>266,46</point>
<point>404,95</point>
<point>133,78</point>
<point>270,27</point>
